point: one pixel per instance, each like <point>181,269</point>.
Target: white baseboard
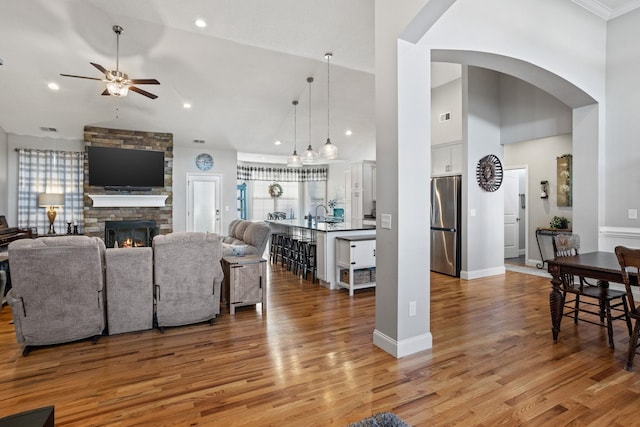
<point>477,274</point>
<point>402,348</point>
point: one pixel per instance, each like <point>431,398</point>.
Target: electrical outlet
<point>633,213</point>
<point>412,308</point>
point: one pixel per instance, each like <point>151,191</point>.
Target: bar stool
<point>309,265</point>
<point>275,249</point>
<point>300,255</point>
<point>285,250</point>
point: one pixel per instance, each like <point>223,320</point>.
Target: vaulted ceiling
<point>240,73</point>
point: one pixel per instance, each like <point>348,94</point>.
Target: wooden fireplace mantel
<point>128,200</point>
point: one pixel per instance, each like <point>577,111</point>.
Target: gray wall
<point>4,164</point>
<point>183,163</point>
<point>23,141</point>
<point>528,112</point>
<point>539,155</point>
<point>225,164</point>
<point>622,186</point>
<point>483,212</point>
<point>446,98</point>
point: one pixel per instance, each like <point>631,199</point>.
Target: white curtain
<point>48,171</point>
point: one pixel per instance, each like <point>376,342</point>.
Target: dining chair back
<point>599,304</point>
<point>629,260</point>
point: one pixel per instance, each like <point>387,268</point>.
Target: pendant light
<point>309,155</point>
<point>328,150</point>
<point>294,161</point>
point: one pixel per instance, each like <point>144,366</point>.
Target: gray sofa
<point>187,277</point>
<point>57,292</point>
<point>246,238</point>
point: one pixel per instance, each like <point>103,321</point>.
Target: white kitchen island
<point>325,235</point>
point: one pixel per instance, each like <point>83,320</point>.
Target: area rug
<point>382,419</point>
<point>528,270</point>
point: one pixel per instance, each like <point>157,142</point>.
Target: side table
<point>244,281</point>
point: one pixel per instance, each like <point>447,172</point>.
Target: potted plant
<point>559,222</point>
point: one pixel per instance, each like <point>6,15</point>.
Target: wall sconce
<point>544,189</point>
<point>51,201</point>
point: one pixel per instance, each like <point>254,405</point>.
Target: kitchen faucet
<point>326,211</point>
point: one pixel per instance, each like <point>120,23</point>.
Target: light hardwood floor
<point>309,361</point>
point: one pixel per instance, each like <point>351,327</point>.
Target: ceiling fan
<point>118,83</point>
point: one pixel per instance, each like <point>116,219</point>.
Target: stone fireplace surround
<point>136,208</point>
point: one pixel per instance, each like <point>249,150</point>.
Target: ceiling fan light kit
<point>328,150</point>
<point>117,82</point>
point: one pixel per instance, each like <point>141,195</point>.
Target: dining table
<point>600,266</point>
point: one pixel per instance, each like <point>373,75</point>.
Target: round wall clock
<point>489,173</point>
<point>204,161</point>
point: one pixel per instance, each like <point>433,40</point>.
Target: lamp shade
<point>46,200</point>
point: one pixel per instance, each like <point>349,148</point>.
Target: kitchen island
<point>325,234</point>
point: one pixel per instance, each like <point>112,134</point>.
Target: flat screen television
<point>125,169</point>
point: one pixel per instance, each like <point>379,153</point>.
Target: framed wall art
<point>565,189</point>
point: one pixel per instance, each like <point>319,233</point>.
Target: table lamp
<point>51,201</point>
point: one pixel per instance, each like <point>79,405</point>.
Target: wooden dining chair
<point>629,260</point>
<point>592,299</point>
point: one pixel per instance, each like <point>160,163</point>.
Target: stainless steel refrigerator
<point>445,224</point>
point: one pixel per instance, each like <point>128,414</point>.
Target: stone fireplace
<point>129,234</point>
<point>97,214</point>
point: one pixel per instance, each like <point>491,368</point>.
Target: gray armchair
<point>57,292</point>
<point>187,277</point>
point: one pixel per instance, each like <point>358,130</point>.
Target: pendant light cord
<point>328,56</point>
<point>295,126</point>
<point>309,79</point>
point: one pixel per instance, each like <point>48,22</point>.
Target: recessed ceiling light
<point>53,86</point>
<point>278,143</point>
<point>186,105</point>
<point>200,23</point>
<point>348,132</point>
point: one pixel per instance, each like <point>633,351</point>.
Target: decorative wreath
<point>275,190</point>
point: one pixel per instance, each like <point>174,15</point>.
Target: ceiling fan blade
<point>102,70</point>
<point>80,77</point>
<point>144,81</point>
<point>143,92</point>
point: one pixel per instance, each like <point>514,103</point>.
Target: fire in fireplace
<point>125,234</point>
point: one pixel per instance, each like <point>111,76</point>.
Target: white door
<point>511,214</point>
<point>203,203</point>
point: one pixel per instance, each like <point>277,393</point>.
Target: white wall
<point>539,156</point>
<point>446,99</point>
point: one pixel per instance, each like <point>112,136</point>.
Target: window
<point>47,171</point>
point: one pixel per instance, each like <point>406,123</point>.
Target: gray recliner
<point>57,292</point>
<point>187,277</point>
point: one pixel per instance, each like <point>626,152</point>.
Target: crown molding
<point>605,12</point>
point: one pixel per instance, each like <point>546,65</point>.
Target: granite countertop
<point>347,225</point>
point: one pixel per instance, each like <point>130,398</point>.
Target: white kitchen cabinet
<point>321,253</point>
<point>446,159</point>
<point>355,262</point>
<point>362,188</point>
